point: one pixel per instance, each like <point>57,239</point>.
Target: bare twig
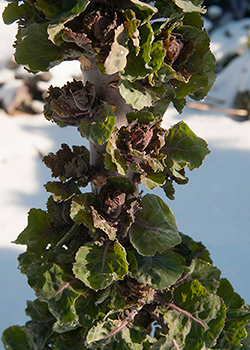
<point>205,107</point>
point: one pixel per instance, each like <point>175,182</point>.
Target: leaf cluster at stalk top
<point>160,52</point>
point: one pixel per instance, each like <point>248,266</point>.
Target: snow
<point>235,36</point>
<point>213,207</point>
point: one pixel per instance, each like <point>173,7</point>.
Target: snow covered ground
<point>213,207</point>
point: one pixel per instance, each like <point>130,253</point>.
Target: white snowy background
<point>212,208</point>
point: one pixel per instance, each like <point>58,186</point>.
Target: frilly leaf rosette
<point>174,62</point>
<point>136,147</point>
<point>161,52</point>
<point>76,105</point>
<point>66,30</point>
<point>163,60</point>
<point>67,163</point>
<point>111,213</point>
<point>157,157</point>
<point>71,167</point>
<point>71,103</point>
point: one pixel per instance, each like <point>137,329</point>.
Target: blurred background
<point>214,207</point>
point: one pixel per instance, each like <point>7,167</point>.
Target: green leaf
<point>189,250</point>
<point>179,104</point>
<point>14,338</point>
<point>54,284</point>
<point>141,95</point>
<point>61,10</point>
<point>159,108</point>
<point>193,19</point>
<point>137,67</point>
<point>114,160</point>
<point>122,184</point>
<point>13,11</point>
<point>70,340</point>
<point>39,329</point>
<point>153,180</point>
<point>51,277</point>
<point>169,189</point>
<point>190,5</point>
<point>87,310</point>
<point>195,315</point>
<point>36,52</point>
<point>166,73</point>
<point>100,129</point>
<point>207,274</point>
<point>183,148</point>
<point>198,61</point>
<point>99,265</point>
<point>36,233</point>
<point>132,24</point>
<point>132,263</point>
<point>155,227</point>
<point>109,164</point>
<point>117,58</point>
<point>61,191</point>
<point>134,94</point>
<point>81,211</point>
<point>237,316</point>
<point>55,33</point>
<point>246,342</point>
<point>102,224</point>
<point>167,343</point>
<point>209,65</point>
<point>143,117</point>
<point>159,271</point>
<point>157,54</point>
<point>69,11</point>
<point>117,301</point>
<point>146,11</point>
<point>58,214</point>
<point>38,311</point>
<point>61,327</point>
<point>126,339</point>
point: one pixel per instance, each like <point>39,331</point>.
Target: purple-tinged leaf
<point>99,265</point>
<point>182,147</point>
<point>36,233</point>
<point>154,228</point>
<point>159,271</point>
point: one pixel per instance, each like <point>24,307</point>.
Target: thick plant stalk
<point>106,88</point>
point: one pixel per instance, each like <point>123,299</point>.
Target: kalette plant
<point>109,267</point>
